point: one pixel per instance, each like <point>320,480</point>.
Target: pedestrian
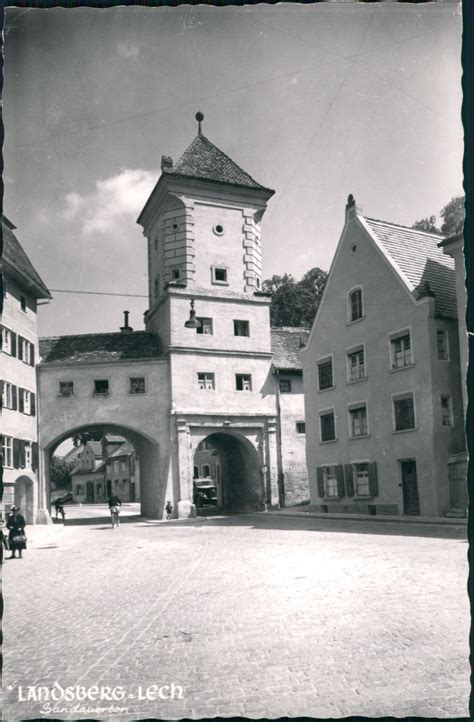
<point>59,509</point>
<point>4,536</point>
<point>114,508</point>
<point>16,537</point>
<point>169,510</point>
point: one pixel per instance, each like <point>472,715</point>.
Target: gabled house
<point>88,474</point>
<point>382,374</point>
<point>22,289</point>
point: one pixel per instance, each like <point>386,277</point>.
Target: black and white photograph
<point>234,357</point>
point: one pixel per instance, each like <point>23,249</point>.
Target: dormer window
<point>219,275</point>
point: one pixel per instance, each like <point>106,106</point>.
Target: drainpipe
<point>281,476</point>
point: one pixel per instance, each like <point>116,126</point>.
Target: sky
<point>314,101</point>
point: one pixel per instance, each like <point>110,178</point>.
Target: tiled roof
<point>96,448</point>
<point>15,257</point>
<point>99,464</point>
<point>113,439</point>
<point>124,450</point>
<point>202,159</point>
<point>421,261</point>
<point>287,344</point>
<point>100,347</point>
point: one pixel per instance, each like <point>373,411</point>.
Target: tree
<point>60,472</point>
<point>453,215</point>
<point>427,224</point>
<point>453,219</point>
<point>294,303</point>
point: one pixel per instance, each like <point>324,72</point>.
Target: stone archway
<point>152,475</point>
<point>236,471</point>
<point>25,497</point>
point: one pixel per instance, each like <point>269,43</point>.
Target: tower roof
<point>17,262</point>
<point>202,159</point>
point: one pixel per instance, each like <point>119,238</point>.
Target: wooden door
<point>411,499</point>
<point>90,491</point>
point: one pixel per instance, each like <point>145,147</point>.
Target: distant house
<point>122,468</point>
<point>22,288</point>
<point>103,468</point>
<point>88,474</point>
<point>382,375</point>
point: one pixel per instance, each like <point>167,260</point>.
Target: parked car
<point>204,492</point>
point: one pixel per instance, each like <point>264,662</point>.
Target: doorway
<point>411,499</point>
<point>89,492</point>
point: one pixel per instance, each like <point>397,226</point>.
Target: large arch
<point>152,477</point>
<point>239,479</point>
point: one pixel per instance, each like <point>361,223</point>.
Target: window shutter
<point>32,404</point>
<point>349,474</point>
<point>13,347</point>
<point>16,453</point>
<point>34,456</point>
<point>22,454</point>
<point>14,398</point>
<point>340,481</point>
<point>373,484</point>
<point>19,343</point>
<point>21,400</point>
<point>32,355</point>
<point>320,478</point>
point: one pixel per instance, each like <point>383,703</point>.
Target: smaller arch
<point>25,497</point>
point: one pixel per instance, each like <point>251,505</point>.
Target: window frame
<point>243,378</point>
<point>287,382</point>
<point>101,393</point>
<point>246,325</point>
<point>356,406</point>
<point>353,351</point>
<point>23,303</point>
<point>64,383</point>
<point>215,280</point>
<point>300,424</point>
<point>325,468</point>
<point>449,410</point>
<point>209,323</point>
<point>178,270</point>
<point>7,451</point>
<point>326,412</point>
<point>350,293</point>
<point>208,376</point>
<point>445,333</point>
<point>400,396</point>
<point>329,359</point>
<point>395,336</point>
<point>7,395</point>
<point>354,465</point>
<point>6,341</point>
<point>131,379</point>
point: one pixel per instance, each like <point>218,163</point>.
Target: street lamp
<point>192,321</point>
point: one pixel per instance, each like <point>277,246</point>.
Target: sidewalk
<point>305,511</point>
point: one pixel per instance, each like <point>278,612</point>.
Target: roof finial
<point>199,118</point>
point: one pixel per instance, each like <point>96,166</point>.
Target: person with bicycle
<point>114,508</point>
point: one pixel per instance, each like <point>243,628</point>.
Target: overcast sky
<point>315,101</point>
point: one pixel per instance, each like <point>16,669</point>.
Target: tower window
<point>176,274</point>
<point>219,275</point>
<point>218,229</point>
<point>206,381</point>
<point>241,328</point>
<point>101,387</point>
<point>23,303</point>
<point>205,326</point>
<point>243,382</point>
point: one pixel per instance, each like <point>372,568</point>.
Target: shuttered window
<point>7,452</point>
<point>328,426</point>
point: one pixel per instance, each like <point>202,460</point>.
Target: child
<point>169,510</point>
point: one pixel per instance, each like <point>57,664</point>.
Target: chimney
<point>351,208</point>
<point>126,328</point>
<point>166,163</point>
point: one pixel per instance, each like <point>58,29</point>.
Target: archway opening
<point>24,497</point>
<point>227,475</point>
<point>87,465</point>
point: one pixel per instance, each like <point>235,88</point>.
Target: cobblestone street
<point>254,616</point>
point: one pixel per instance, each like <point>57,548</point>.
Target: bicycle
<point>114,513</point>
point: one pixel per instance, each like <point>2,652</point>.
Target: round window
<point>218,229</point>
<point>175,226</point>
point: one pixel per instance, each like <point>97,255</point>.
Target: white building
<point>22,289</point>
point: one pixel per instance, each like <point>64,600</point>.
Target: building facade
<point>381,374</point>
<point>22,289</point>
<point>203,370</point>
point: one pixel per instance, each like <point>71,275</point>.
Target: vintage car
<point>204,492</point>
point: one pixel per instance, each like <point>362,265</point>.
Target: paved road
<point>250,616</point>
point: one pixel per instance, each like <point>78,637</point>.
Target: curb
<point>440,521</point>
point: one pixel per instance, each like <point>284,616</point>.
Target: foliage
<point>452,215</point>
<point>60,472</point>
<point>294,303</point>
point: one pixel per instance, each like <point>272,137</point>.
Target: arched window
<point>206,470</point>
<point>196,472</point>
<point>356,308</point>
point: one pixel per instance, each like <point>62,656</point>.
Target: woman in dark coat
<point>16,524</point>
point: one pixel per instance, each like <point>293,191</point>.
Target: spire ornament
<point>199,117</point>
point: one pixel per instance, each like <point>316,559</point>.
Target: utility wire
<point>99,293</point>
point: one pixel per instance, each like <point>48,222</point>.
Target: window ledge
<point>329,388</point>
<point>331,498</point>
<point>136,393</point>
<point>356,381</point>
<point>361,436</point>
<point>329,441</point>
<point>404,431</point>
<point>357,320</point>
<point>65,396</point>
<point>363,497</point>
<point>220,283</point>
<point>99,394</point>
<point>400,368</point>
